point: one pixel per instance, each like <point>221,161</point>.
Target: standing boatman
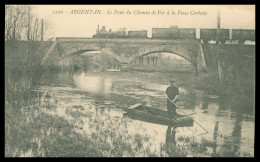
<point>172,94</point>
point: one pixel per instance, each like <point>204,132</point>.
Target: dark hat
<point>172,81</point>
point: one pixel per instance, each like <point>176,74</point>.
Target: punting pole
<point>193,120</point>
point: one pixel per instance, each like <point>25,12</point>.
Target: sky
<point>84,25</point>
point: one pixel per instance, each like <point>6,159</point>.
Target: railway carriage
<point>165,33</point>
<point>224,35</point>
<point>187,33</point>
<point>208,34</point>
<point>243,35</point>
<point>137,34</point>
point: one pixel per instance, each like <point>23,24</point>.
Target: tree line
<point>149,58</point>
<point>22,24</point>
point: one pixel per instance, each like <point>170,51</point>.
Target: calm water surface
<point>107,93</point>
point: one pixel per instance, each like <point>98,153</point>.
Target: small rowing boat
<point>157,116</point>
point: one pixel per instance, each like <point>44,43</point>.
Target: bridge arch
<point>185,52</point>
<point>73,50</point>
<point>112,61</point>
<point>76,54</point>
<point>188,59</point>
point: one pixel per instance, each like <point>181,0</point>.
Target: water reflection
<point>245,106</point>
<point>170,140</point>
<point>232,143</point>
<point>205,104</point>
<point>93,83</point>
<point>236,134</point>
<point>215,134</point>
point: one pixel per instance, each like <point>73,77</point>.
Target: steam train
<point>119,34</point>
<point>206,35</point>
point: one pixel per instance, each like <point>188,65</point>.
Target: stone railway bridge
<point>124,50</point>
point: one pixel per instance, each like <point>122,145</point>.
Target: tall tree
<point>22,24</point>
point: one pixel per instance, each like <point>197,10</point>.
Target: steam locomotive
<point>102,33</point>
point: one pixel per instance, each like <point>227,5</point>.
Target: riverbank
<point>41,124</point>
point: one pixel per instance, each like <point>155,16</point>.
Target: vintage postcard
<point>129,80</point>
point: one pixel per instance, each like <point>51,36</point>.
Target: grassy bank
<point>237,70</point>
<point>232,88</point>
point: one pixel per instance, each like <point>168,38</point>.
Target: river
<point>109,92</point>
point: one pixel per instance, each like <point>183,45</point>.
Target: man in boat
<point>172,94</point>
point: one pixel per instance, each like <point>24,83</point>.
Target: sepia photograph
<point>129,80</point>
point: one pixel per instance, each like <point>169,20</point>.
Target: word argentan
<point>82,11</point>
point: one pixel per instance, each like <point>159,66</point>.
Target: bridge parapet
<point>127,40</point>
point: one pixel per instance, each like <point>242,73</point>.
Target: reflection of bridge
<point>124,50</point>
